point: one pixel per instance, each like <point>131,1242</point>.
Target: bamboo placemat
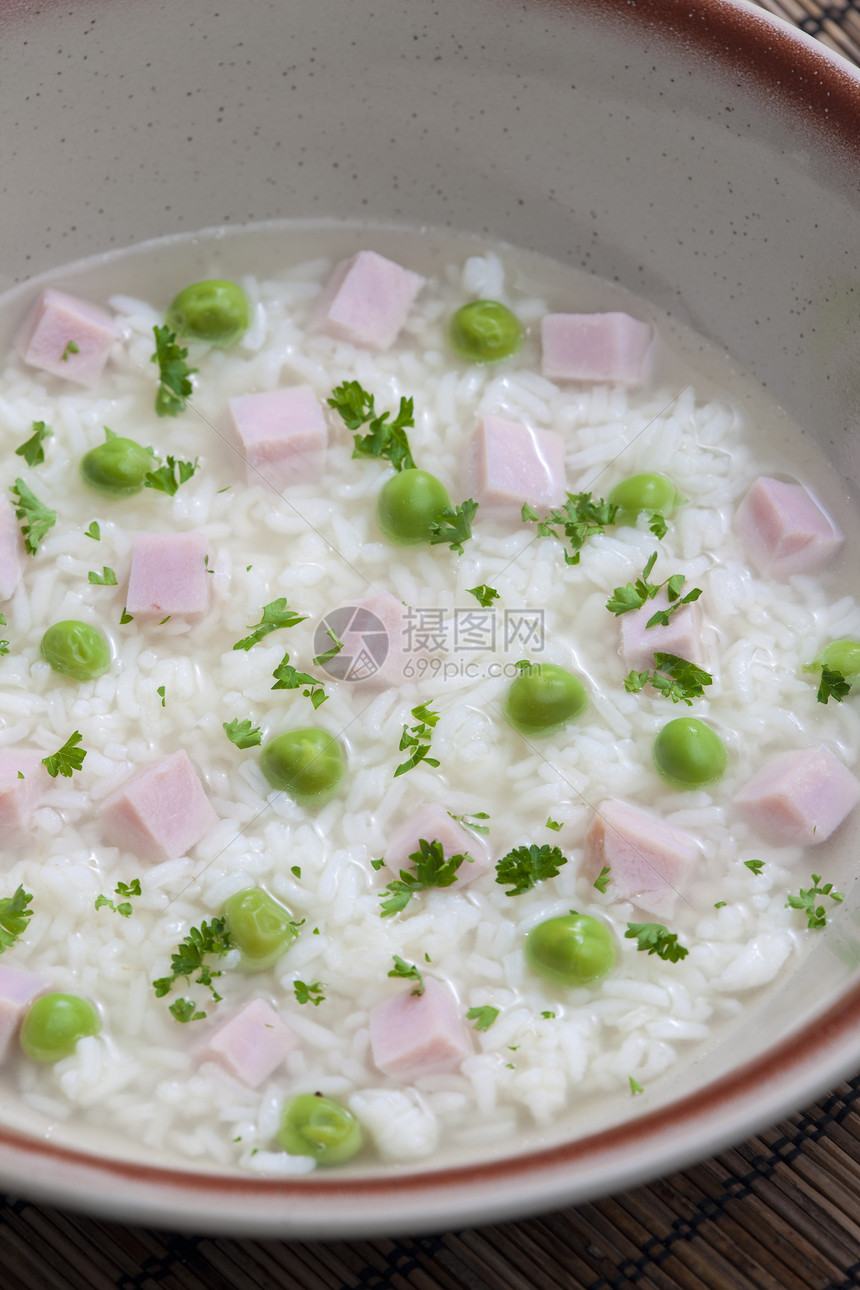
<point>780,1212</point>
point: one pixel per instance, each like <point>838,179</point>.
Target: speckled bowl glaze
<point>697,151</point>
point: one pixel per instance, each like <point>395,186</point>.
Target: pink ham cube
<point>282,434</point>
<point>19,797</point>
<point>252,1044</point>
<point>784,530</point>
<point>595,347</point>
<point>799,797</point>
<point>649,860</point>
<point>161,811</point>
<point>168,575</point>
<point>67,337</point>
<point>10,550</point>
<point>681,637</point>
<point>434,824</point>
<point>418,1034</point>
<point>18,989</point>
<point>508,464</point>
<point>374,632</point>
<point>366,301</point>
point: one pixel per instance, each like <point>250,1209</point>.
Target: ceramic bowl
<point>703,155</point>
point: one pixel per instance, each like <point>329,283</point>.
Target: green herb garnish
<point>275,615</point>
<point>674,677</point>
<point>94,532</point>
<point>832,685</point>
<point>329,654</point>
<point>171,476</point>
<point>243,733</point>
<point>453,525</point>
<point>581,517</point>
<point>385,440</point>
<point>430,869</point>
<point>754,866</point>
<point>185,1010</point>
<point>470,821</point>
<point>414,736</point>
<point>601,882</point>
<point>635,1087</point>
<point>33,449</point>
<point>287,678</point>
<point>483,594</point>
<point>634,594</point>
<point>72,347</point>
<point>174,374</point>
<point>107,577</point>
<point>66,759</point>
<point>309,993</point>
<point>14,917</point>
<point>212,938</point>
<point>483,1016</point>
<point>123,889</point>
<point>555,825</point>
<point>657,939</point>
<point>524,867</point>
<point>409,971</point>
<point>816,915</point>
<point>36,518</point>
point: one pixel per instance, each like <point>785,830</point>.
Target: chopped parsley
<point>635,1086</point>
<point>548,1016</point>
<point>287,678</point>
<point>36,519</point>
<point>185,1010</point>
<point>816,915</point>
<point>524,867</point>
<point>674,677</point>
<point>832,685</point>
<point>171,476</point>
<point>754,866</point>
<point>581,517</point>
<point>601,882</point>
<point>321,659</point>
<point>657,524</point>
<point>430,869</point>
<point>453,525</point>
<point>555,825</point>
<point>72,347</point>
<point>309,993</point>
<point>94,532</point>
<point>33,449</point>
<point>212,938</point>
<point>243,733</point>
<point>4,645</point>
<point>720,904</point>
<point>125,616</point>
<point>162,692</point>
<point>633,595</point>
<point>471,821</point>
<point>385,440</point>
<point>275,615</point>
<point>14,917</point>
<point>295,870</point>
<point>657,939</point>
<point>67,759</point>
<point>483,594</point>
<point>174,374</point>
<point>123,889</point>
<point>414,737</point>
<point>107,577</point>
<point>483,1016</point>
<point>409,971</point>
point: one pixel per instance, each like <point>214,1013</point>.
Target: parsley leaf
<point>483,594</point>
<point>275,615</point>
<point>754,866</point>
<point>832,685</point>
<point>14,917</point>
<point>385,440</point>
<point>580,518</point>
<point>674,677</point>
<point>185,1010</point>
<point>657,525</point>
<point>107,577</point>
<point>469,821</point>
<point>555,825</point>
<point>39,518</point>
<point>66,759</point>
<point>33,449</point>
<point>170,477</point>
<point>329,654</point>
<point>524,867</point>
<point>816,915</point>
<point>287,678</point>
<point>453,525</point>
<point>122,889</point>
<point>657,939</point>
<point>72,347</point>
<point>430,869</point>
<point>242,733</point>
<point>634,594</point>
<point>412,738</point>
<point>174,383</point>
<point>483,1016</point>
<point>125,616</point>
<point>212,938</point>
<point>409,971</point>
<point>309,993</point>
<point>601,882</point>
<point>94,532</point>
<point>635,1087</point>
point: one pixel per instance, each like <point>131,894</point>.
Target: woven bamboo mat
<point>780,1212</point>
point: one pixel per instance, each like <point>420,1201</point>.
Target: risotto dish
<point>426,700</point>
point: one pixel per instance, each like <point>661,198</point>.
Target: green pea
<point>117,467</point>
<point>572,950</point>
<point>261,927</point>
<point>839,656</point>
<point>543,699</point>
<point>76,650</point>
<point>53,1025</point>
<point>644,493</point>
<point>312,1125</point>
<point>689,754</point>
<point>408,504</point>
<point>485,332</point>
<point>308,764</point>
<point>215,310</point>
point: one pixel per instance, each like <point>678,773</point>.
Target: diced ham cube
<point>418,1034</point>
<point>161,811</point>
<point>784,530</point>
<point>252,1044</point>
<point>67,337</point>
<point>649,860</point>
<point>375,641</point>
<point>595,347</point>
<point>19,797</point>
<point>433,823</point>
<point>18,989</point>
<point>682,636</point>
<point>10,550</point>
<point>799,797</point>
<point>508,464</point>
<point>366,301</point>
<point>168,575</point>
<point>282,434</point>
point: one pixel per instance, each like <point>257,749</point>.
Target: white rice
<point>142,1076</point>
